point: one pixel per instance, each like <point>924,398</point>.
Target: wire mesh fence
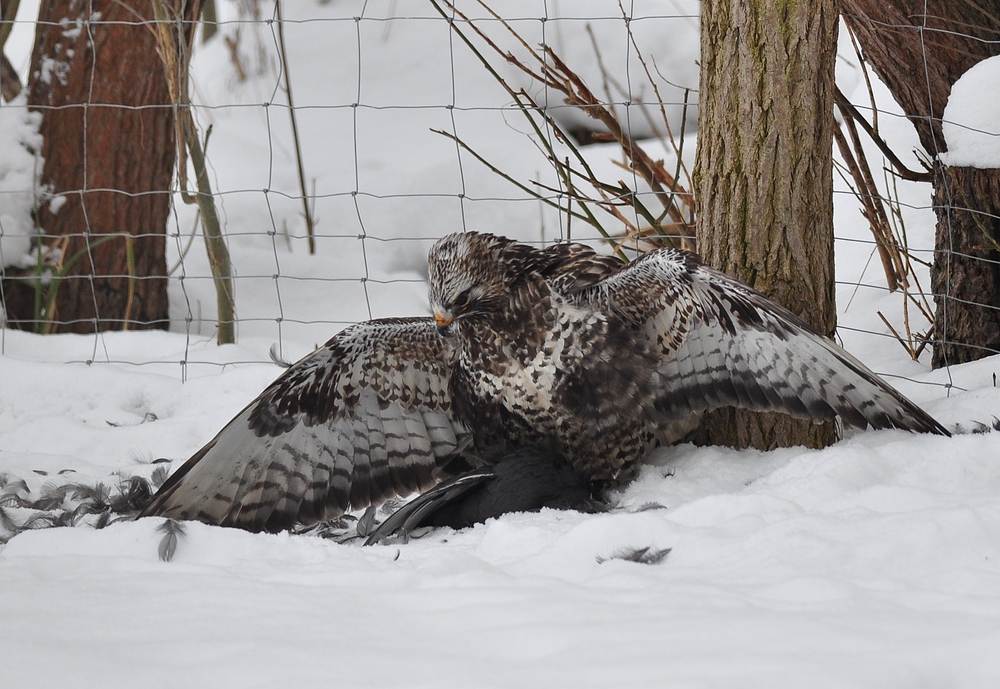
<point>344,137</point>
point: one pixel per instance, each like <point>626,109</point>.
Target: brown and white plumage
<point>366,417</point>
<point>721,343</point>
<point>561,348</point>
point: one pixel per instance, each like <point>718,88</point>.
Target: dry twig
<point>672,222</point>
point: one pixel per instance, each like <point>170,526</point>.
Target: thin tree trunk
<point>764,174</point>
<point>920,48</point>
<point>109,151</point>
<point>10,82</point>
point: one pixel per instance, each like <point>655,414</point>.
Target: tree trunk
<point>764,174</point>
<point>965,276</point>
<point>109,150</point>
<point>920,48</point>
<point>10,82</point>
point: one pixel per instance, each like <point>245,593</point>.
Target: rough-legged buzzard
<point>562,348</point>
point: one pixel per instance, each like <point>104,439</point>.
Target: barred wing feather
<point>366,417</point>
<point>723,343</point>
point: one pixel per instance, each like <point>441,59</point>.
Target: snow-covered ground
<point>873,563</point>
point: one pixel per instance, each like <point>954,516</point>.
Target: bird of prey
<point>563,348</point>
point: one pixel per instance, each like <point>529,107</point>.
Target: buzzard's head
<point>470,273</point>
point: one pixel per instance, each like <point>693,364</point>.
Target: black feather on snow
<point>525,480</point>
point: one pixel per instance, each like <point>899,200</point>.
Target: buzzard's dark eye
<point>462,299</point>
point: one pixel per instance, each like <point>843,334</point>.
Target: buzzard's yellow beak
<point>442,320</point>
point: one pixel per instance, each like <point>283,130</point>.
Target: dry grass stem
<point>885,221</point>
<point>306,211</point>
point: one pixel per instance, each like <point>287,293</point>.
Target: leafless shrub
<point>669,220</point>
<point>884,217</point>
<point>247,59</point>
<point>174,48</point>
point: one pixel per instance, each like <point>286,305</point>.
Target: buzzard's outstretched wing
<point>723,344</point>
<point>366,417</point>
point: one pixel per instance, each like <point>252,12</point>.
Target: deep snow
<point>873,563</point>
<point>971,123</point>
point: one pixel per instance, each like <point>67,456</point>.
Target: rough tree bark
<point>109,150</point>
<point>919,48</point>
<point>764,174</point>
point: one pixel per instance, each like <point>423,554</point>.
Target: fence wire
<point>371,80</point>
